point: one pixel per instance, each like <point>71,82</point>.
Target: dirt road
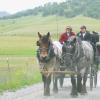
<point>35,92</point>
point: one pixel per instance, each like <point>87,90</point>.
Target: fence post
<point>9,73</point>
<point>26,69</point>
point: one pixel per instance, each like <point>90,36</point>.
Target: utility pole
<point>57,27</point>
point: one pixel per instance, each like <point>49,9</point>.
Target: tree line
<point>69,9</point>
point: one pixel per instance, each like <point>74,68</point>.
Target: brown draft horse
<point>48,61</point>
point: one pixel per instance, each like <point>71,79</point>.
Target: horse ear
<point>39,35</point>
<point>48,34</point>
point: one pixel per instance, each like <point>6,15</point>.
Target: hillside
<point>69,9</point>
<point>30,25</point>
<point>3,14</point>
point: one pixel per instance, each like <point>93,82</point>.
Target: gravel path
<point>35,92</point>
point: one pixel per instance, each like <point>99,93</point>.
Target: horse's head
<point>68,50</point>
<point>69,45</point>
<point>44,44</point>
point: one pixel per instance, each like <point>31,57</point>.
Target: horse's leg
<point>74,87</point>
<point>44,82</point>
<point>55,85</point>
<point>84,84</point>
<point>79,83</point>
<point>61,79</point>
<point>47,81</point>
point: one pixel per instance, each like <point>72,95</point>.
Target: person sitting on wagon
<point>84,34</point>
<point>64,36</point>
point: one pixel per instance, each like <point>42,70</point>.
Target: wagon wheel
<point>95,75</point>
<point>91,78</point>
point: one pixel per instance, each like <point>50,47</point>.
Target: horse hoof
<point>46,94</point>
<point>83,93</point>
<point>74,95</point>
<point>55,90</point>
<point>61,86</point>
<point>79,90</point>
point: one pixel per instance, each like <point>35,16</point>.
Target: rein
<point>43,48</point>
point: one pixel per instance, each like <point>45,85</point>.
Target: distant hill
<point>3,14</point>
<point>30,25</point>
<point>69,9</point>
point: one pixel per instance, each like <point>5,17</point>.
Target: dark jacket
<point>87,36</point>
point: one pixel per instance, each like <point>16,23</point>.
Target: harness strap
<point>51,54</point>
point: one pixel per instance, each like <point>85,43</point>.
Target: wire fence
<point>16,72</point>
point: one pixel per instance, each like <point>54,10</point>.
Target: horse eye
<point>38,43</point>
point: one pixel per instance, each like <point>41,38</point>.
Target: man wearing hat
<point>84,34</point>
<point>68,33</point>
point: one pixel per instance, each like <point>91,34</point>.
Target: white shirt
<point>84,34</point>
<point>68,34</point>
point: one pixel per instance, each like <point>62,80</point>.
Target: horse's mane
<point>78,48</point>
<point>84,48</point>
<point>57,48</point>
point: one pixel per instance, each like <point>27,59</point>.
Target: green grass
<point>22,71</point>
<point>15,45</point>
<point>20,35</point>
<point>32,24</point>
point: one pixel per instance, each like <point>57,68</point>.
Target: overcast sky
<point>13,6</point>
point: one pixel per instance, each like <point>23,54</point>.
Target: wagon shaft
<point>59,72</point>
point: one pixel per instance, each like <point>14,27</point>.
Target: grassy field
<point>19,36</point>
<point>32,24</point>
<point>18,72</point>
<point>18,44</point>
